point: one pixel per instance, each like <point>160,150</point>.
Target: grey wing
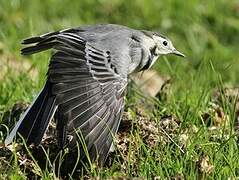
<point>89,91</point>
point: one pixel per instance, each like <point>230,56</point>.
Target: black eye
<point>165,43</point>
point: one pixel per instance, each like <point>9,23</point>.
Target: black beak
<point>176,52</point>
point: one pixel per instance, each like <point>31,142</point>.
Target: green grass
<point>206,31</point>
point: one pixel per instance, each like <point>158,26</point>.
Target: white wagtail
<point>86,82</point>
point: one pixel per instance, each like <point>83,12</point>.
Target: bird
<point>86,83</point>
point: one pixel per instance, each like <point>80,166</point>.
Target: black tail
<point>35,120</point>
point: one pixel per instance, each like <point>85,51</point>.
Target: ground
<point>187,130</point>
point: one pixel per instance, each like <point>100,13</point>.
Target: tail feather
<point>35,120</point>
<point>37,48</point>
<point>38,44</point>
<point>43,42</point>
<point>49,111</point>
<point>32,40</point>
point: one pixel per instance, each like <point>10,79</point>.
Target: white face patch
<point>164,46</point>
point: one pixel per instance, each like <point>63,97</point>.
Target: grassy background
<point>206,31</point>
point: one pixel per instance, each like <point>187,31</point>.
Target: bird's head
<point>163,45</point>
<point>158,45</point>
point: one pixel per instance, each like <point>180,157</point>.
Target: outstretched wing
<point>89,91</point>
